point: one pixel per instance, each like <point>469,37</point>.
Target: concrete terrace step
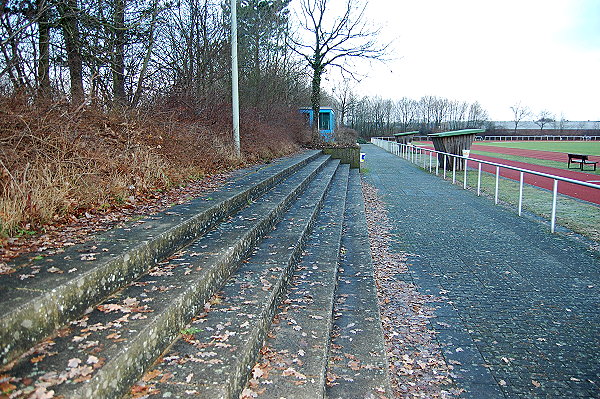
<point>358,366</point>
<point>45,294</point>
<point>295,355</point>
<point>327,339</point>
<point>186,316</point>
<point>218,349</point>
<point>123,335</point>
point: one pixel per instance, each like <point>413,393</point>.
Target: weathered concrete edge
<point>360,225</point>
<point>115,377</point>
<point>251,355</point>
<point>347,155</point>
<point>280,386</point>
<point>21,327</point>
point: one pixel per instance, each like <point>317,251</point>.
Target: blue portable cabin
<point>326,121</point>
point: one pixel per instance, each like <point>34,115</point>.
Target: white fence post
<point>554,197</point>
<point>497,184</point>
<point>520,193</point>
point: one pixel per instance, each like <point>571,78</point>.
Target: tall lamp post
<point>235,100</point>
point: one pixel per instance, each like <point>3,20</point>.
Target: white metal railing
<point>416,154</point>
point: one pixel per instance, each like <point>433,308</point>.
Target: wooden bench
<point>581,160</point>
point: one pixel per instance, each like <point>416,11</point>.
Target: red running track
<point>546,155</point>
<point>570,189</point>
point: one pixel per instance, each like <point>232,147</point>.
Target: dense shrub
<point>346,136</point>
<point>56,161</point>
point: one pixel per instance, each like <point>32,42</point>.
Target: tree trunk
<point>139,87</point>
<point>315,99</point>
<point>68,13</point>
<point>11,55</point>
<point>257,65</point>
<point>119,53</point>
<point>43,67</point>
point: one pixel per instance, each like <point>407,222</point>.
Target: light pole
<point>235,100</point>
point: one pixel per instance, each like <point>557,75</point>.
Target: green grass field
<point>574,147</point>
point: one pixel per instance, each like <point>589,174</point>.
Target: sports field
<point>538,158</point>
<point>545,154</point>
<point>549,154</point>
<point>550,158</point>
<point>564,147</point>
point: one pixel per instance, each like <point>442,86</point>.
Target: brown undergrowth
<point>57,161</point>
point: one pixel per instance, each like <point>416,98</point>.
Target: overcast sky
<point>543,53</point>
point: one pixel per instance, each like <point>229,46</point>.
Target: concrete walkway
<point>520,315</point>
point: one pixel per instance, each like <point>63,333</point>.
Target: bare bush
<point>56,161</point>
<point>346,136</point>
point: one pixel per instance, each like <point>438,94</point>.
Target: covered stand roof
<point>404,137</point>
<point>457,133</point>
<point>453,142</point>
<point>405,133</point>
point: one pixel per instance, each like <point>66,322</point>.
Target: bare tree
<point>406,112</point>
<point>69,15</point>
<point>135,53</point>
<point>43,77</point>
<point>426,106</point>
<point>439,111</point>
<point>519,112</point>
<point>155,11</point>
<point>263,28</point>
<point>118,51</point>
<point>381,116</point>
<point>335,40</point>
<point>457,115</point>
<point>477,116</point>
<point>544,118</point>
<point>344,98</point>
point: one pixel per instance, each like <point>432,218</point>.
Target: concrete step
<point>101,354</point>
<point>326,340</point>
<point>294,358</point>
<point>45,293</point>
<point>358,365</point>
<point>217,350</point>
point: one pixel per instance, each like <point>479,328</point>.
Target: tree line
<point>375,116</point>
<point>125,52</point>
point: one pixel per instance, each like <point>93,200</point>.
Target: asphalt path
<point>518,308</point>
